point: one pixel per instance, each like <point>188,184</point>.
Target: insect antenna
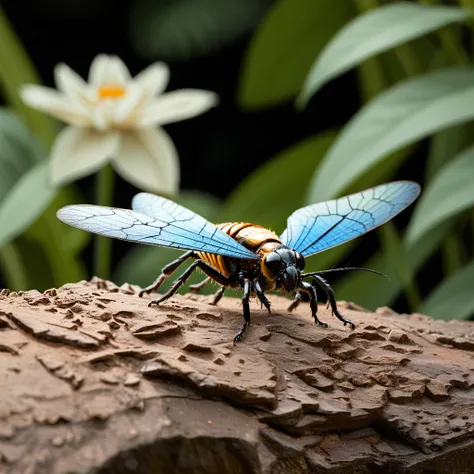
<point>344,269</point>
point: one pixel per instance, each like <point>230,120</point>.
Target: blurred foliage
<point>182,29</point>
<point>415,84</point>
<point>373,33</point>
<point>288,39</point>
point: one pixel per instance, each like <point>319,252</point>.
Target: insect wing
<point>321,226</point>
<point>183,230</point>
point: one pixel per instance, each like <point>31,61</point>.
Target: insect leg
<point>216,297</point>
<point>245,303</point>
<point>300,296</point>
<point>205,267</point>
<point>199,286</point>
<point>313,302</point>
<point>166,271</point>
<point>321,282</point>
<point>261,295</point>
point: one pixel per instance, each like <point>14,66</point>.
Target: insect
<point>238,254</point>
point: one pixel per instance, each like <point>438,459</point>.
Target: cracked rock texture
<point>94,380</point>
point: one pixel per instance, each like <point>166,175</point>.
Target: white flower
<point>114,117</point>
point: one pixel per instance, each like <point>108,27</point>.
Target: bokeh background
<point>358,92</point>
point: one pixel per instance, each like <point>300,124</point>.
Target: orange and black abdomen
<point>253,237</point>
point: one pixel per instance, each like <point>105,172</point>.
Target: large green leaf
<point>453,298</point>
<point>398,117</point>
<point>450,192</point>
<point>444,146</point>
<point>25,202</point>
<point>284,47</point>
<point>372,33</point>
<point>371,291</point>
<point>382,71</point>
<point>181,29</point>
<point>19,150</point>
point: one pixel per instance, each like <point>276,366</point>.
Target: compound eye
<point>273,262</point>
<point>300,261</point>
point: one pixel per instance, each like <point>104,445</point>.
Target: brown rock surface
<point>93,380</point>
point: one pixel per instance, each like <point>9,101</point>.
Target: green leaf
<point>284,47</point>
<point>372,33</point>
<point>372,292</point>
<point>380,72</point>
<point>407,112</point>
<point>443,147</point>
<point>58,244</point>
<point>25,202</point>
<point>449,193</point>
<point>183,29</point>
<point>19,150</point>
<point>453,298</point>
<point>19,153</point>
<point>72,240</point>
<point>143,263</point>
<point>17,69</point>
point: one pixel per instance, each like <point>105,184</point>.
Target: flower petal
<point>73,87</point>
<point>126,106</point>
<point>149,160</point>
<point>154,79</point>
<point>176,106</point>
<point>53,103</point>
<point>68,81</point>
<point>118,73</point>
<point>98,70</point>
<point>78,152</point>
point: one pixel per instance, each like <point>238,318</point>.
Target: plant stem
<point>452,252</point>
<point>104,192</point>
<point>16,274</point>
<point>395,254</point>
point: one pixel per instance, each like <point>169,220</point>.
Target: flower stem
<point>16,275</point>
<point>104,192</point>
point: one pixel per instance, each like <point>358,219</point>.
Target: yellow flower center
<point>110,91</point>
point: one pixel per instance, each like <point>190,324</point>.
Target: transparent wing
<point>321,226</point>
<point>177,227</point>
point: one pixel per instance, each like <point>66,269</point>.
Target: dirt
<point>92,380</point>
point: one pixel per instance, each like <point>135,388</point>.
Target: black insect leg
<point>310,290</point>
<point>261,295</point>
<point>245,303</point>
<point>300,296</point>
<point>205,267</point>
<point>165,273</point>
<point>321,283</point>
<point>199,286</point>
<point>216,297</point>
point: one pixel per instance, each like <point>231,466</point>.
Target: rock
<point>94,380</point>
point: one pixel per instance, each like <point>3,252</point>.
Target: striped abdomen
<point>254,237</point>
